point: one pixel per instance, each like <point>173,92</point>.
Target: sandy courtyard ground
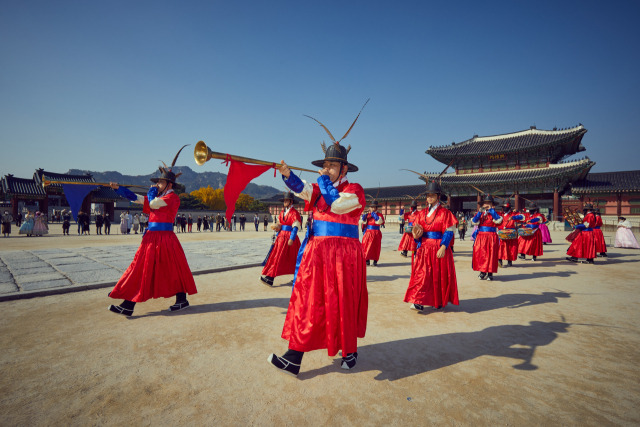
<point>547,343</point>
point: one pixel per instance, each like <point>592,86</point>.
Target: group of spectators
<point>184,223</point>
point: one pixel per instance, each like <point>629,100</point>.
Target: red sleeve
<point>145,207</point>
<point>448,219</point>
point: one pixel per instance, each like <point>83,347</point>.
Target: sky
<point>122,85</point>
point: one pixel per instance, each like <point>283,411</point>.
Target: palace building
<point>528,165</point>
<point>25,192</point>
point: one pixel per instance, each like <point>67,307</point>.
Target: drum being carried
<point>508,234</point>
<point>408,228</point>
<point>526,232</point>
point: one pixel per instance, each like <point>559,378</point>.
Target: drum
<point>408,228</point>
<point>508,234</point>
<point>526,232</point>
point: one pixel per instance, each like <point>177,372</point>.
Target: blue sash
<point>596,228</point>
<point>428,235</point>
<point>373,227</point>
<point>160,226</point>
<point>588,229</point>
<point>487,229</point>
<point>334,229</point>
<point>287,228</point>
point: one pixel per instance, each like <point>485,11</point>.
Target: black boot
<point>289,363</point>
<point>368,262</point>
<point>181,302</point>
<point>521,256</point>
<point>403,253</point>
<point>349,362</point>
<point>535,258</point>
<point>500,262</point>
<point>482,276</point>
<point>572,259</point>
<point>490,276</point>
<point>126,308</point>
<point>267,280</point>
<point>510,263</point>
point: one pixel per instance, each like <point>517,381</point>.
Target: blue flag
<point>75,195</point>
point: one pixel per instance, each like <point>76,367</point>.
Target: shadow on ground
<point>405,358</point>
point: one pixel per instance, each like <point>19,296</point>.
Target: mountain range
<point>190,179</point>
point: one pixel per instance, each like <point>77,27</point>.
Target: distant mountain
<point>190,179</point>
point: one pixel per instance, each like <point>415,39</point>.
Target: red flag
<point>240,174</point>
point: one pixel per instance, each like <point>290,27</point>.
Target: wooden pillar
<point>479,198</point>
<point>556,205</point>
<point>619,204</point>
<point>517,201</point>
<point>86,204</point>
<point>14,206</point>
<point>109,209</point>
<point>43,204</point>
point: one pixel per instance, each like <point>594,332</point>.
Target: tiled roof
<point>39,175</point>
<point>13,186</point>
<point>575,170</point>
<point>512,142</point>
<point>624,181</point>
<point>562,173</point>
<point>277,199</point>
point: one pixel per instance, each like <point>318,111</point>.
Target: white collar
<point>433,209</point>
<point>340,181</point>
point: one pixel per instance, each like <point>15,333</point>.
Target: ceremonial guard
<point>508,234</point>
<point>407,243</point>
<point>372,239</point>
<point>486,243</point>
<point>281,258</point>
<point>584,245</point>
<point>329,304</point>
<point>159,268</point>
<point>433,273</point>
<point>598,236</point>
<point>530,238</point>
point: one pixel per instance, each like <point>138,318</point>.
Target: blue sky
<point>120,85</point>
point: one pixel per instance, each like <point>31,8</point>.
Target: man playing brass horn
<point>329,303</point>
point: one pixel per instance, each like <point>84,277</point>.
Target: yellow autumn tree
<point>211,198</point>
<point>244,202</point>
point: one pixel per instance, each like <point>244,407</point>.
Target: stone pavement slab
<point>41,272</point>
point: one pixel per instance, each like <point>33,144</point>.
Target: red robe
<point>282,259</point>
<point>372,239</point>
<point>532,245</point>
<point>433,280</point>
<point>159,268</point>
<point>485,247</point>
<point>329,304</point>
<point>598,235</point>
<point>584,245</point>
<point>407,243</point>
<point>508,249</point>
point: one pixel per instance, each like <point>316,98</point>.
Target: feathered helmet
<point>587,207</point>
<point>288,196</point>
<point>533,207</point>
<point>506,206</point>
<point>374,204</point>
<point>488,198</point>
<point>166,172</point>
<point>336,152</point>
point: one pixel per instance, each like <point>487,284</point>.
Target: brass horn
<point>202,154</point>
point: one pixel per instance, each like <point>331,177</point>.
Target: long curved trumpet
<point>48,182</point>
<point>202,154</point>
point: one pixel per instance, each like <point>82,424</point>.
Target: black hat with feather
<point>167,172</point>
<point>336,152</point>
